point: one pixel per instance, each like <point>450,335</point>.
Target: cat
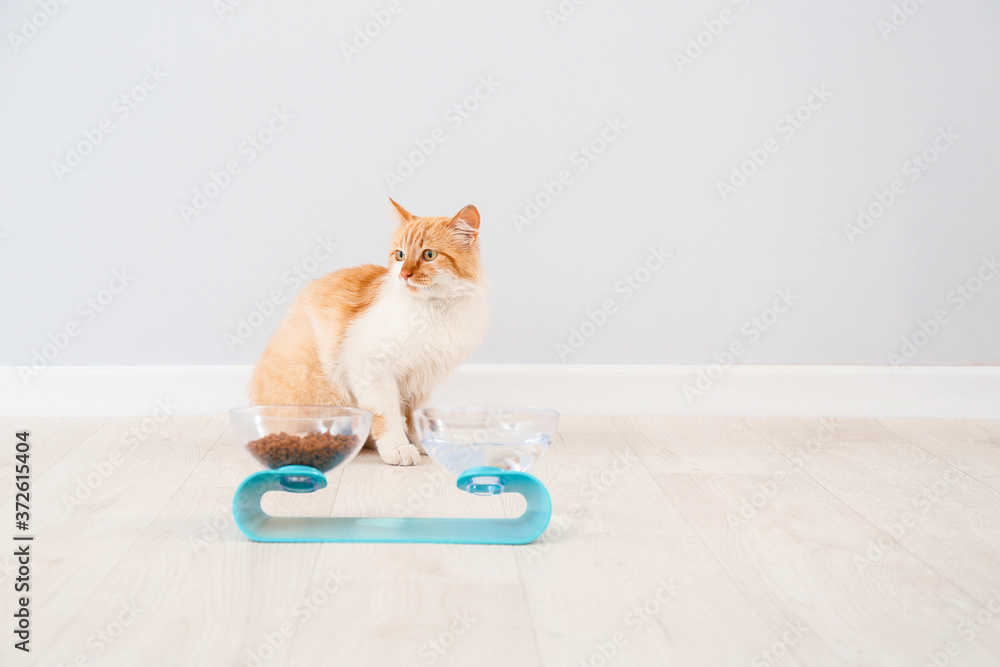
<point>381,338</point>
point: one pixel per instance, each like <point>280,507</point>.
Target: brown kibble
<point>322,451</point>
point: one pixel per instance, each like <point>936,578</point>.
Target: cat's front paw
<point>415,441</point>
<point>398,453</point>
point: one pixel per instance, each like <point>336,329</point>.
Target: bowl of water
<point>507,437</point>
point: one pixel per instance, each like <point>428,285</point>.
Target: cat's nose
<point>405,274</point>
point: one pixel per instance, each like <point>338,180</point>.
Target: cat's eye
<point>430,254</point>
<point>400,255</point>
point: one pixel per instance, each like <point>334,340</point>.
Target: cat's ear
<point>404,215</point>
<point>466,224</point>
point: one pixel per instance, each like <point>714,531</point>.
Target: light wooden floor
<point>696,541</point>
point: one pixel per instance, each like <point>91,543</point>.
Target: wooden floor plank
<point>621,563</point>
<point>710,541</point>
<point>795,558</point>
<point>697,444</point>
<point>408,603</point>
<point>93,506</point>
<point>192,564</point>
<point>972,445</point>
<point>56,437</point>
<point>942,515</point>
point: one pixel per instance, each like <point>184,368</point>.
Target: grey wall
<point>678,129</point>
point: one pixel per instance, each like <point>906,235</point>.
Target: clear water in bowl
<point>501,448</point>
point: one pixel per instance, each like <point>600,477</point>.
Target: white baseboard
<point>747,390</point>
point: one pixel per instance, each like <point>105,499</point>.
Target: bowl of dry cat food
<point>319,436</point>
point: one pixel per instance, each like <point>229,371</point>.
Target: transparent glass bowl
<point>508,437</point>
<point>319,436</point>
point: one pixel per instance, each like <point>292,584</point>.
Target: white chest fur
<point>411,339</point>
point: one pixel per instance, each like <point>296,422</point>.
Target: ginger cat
<point>380,338</point>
